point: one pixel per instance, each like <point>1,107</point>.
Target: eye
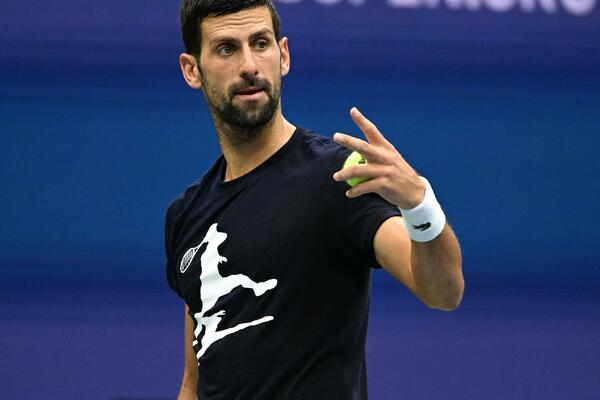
<point>262,44</point>
<point>225,50</point>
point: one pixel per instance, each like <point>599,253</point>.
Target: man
<point>271,249</point>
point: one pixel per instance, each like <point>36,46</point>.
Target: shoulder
<point>179,206</point>
<point>323,149</point>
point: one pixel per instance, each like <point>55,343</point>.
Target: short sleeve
<point>169,237</point>
<point>357,220</point>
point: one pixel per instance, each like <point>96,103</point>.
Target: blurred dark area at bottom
<point>127,343</point>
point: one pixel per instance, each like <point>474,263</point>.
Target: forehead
<point>240,24</point>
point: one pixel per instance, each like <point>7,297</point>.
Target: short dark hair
<point>193,12</point>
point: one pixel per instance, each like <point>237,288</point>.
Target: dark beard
<point>241,126</point>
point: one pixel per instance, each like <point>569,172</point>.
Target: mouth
<point>250,93</point>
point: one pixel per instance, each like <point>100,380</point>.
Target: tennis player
<point>271,250</point>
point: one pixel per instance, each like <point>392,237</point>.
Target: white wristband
<point>427,220</point>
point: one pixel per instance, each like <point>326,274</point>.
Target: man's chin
<point>254,114</point>
<point>249,119</point>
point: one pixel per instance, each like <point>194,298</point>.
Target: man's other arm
<point>431,270</point>
<point>190,371</point>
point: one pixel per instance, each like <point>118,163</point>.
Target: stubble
<point>241,124</point>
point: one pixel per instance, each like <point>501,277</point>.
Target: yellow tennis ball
<point>355,158</point>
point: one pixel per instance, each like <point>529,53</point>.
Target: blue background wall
<point>497,103</point>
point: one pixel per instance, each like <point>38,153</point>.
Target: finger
<point>371,153</point>
<point>367,127</point>
<point>371,186</point>
<point>361,171</point>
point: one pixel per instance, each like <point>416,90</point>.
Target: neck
<point>243,157</point>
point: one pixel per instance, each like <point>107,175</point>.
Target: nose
<point>249,67</point>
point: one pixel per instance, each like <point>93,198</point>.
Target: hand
<point>389,174</point>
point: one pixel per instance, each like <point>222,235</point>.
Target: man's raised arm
<point>420,249</point>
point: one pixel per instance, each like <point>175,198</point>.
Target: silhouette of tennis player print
<point>214,286</point>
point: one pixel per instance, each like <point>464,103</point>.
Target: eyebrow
<point>253,36</point>
<point>260,33</point>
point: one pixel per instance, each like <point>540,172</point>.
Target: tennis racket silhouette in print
<point>187,258</point>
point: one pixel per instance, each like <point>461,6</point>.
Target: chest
<point>278,229</point>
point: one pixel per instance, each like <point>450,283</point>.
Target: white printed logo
<point>214,286</point>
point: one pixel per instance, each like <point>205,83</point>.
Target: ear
<point>189,69</point>
<point>285,56</point>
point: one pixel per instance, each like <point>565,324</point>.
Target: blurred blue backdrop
<point>497,102</point>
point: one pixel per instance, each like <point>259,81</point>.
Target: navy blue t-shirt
<point>275,268</point>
